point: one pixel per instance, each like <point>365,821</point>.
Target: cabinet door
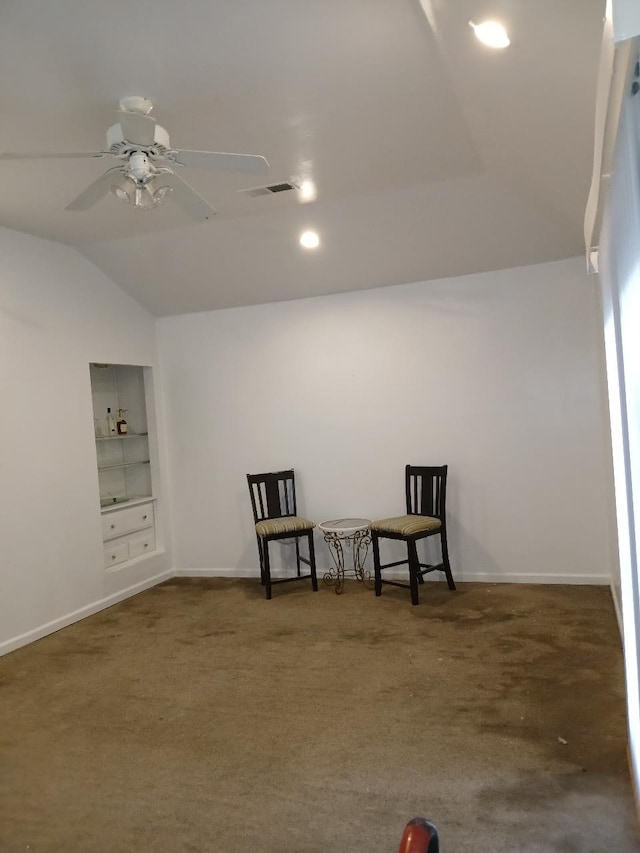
<point>115,553</point>
<point>142,543</point>
<point>122,521</point>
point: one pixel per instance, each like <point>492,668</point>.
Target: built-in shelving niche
<point>124,470</point>
<point>123,462</point>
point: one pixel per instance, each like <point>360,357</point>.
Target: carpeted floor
<point>197,716</point>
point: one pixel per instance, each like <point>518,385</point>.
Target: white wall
<point>57,313</point>
<point>626,18</point>
<point>620,281</point>
<point>498,375</point>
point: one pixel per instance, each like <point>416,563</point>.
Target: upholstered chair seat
<point>292,524</point>
<point>406,525</point>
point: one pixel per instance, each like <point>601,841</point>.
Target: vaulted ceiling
<point>432,155</point>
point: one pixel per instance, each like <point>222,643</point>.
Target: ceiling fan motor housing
<point>139,168</point>
<point>121,147</point>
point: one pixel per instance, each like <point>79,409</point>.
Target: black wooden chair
<point>273,499</point>
<point>419,836</point>
<point>426,492</point>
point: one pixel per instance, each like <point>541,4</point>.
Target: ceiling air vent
<point>270,189</point>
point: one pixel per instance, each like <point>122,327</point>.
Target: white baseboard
<point>538,577</point>
<point>488,577</point>
<point>55,625</point>
<point>219,573</point>
<point>482,577</point>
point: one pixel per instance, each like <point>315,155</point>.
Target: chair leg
<point>298,556</point>
<point>445,558</point>
<point>414,569</point>
<point>312,562</point>
<point>376,562</point>
<point>267,569</point>
<point>261,558</point>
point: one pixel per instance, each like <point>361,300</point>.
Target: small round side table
<point>353,532</point>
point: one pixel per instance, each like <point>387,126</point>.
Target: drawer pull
<point>113,556</point>
<point>146,544</point>
<point>144,517</point>
<point>113,527</point>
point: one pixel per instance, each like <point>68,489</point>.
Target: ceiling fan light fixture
<point>139,196</point>
<point>123,189</point>
<point>120,194</point>
<point>143,199</point>
<point>491,33</point>
<point>161,194</point>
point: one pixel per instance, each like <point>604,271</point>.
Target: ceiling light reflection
<point>307,191</point>
<point>491,33</point>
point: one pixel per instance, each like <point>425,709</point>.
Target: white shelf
<point>119,503</point>
<point>120,437</point>
<point>122,465</point>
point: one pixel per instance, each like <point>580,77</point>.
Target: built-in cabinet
<point>124,464</point>
<point>128,532</point>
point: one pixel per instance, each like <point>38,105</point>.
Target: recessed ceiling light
<point>491,33</point>
<point>310,240</point>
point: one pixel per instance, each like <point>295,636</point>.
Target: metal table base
<point>354,534</point>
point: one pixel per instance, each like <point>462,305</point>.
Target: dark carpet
<point>197,716</point>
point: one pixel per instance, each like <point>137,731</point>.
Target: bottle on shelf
<point>111,423</point>
<point>121,425</point>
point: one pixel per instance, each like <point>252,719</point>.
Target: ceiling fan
<point>145,176</point>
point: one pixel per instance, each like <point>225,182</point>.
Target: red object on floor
<point>419,836</point>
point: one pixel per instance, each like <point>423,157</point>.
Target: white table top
<point>345,526</point>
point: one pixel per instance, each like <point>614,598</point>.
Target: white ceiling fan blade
<point>93,192</point>
<point>252,163</point>
<point>43,155</point>
<point>137,128</point>
<point>189,200</point>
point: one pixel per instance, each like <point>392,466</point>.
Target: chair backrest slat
<point>272,490</point>
<point>273,495</point>
<point>425,488</point>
